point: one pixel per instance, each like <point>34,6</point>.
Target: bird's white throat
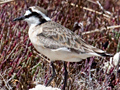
<point>32,21</point>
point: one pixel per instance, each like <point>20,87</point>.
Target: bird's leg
<point>53,74</point>
<point>65,76</point>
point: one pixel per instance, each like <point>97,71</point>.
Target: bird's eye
<point>30,9</point>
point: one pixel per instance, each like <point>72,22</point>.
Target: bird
<point>56,41</point>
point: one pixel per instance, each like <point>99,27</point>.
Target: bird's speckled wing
<point>56,36</point>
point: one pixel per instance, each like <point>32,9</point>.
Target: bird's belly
<point>58,55</point>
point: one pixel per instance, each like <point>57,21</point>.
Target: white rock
<point>115,59</point>
<point>112,63</point>
<point>42,87</point>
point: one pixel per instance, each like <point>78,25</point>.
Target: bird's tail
<point>93,50</point>
<point>101,52</point>
<point>104,54</point>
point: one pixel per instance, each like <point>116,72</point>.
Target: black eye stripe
<point>33,14</point>
<point>39,16</point>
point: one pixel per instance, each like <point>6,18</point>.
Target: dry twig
<point>102,29</point>
<point>5,1</point>
<point>91,10</point>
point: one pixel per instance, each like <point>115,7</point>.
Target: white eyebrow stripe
<point>43,15</point>
<point>27,12</point>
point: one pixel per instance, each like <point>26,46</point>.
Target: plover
<point>55,41</point>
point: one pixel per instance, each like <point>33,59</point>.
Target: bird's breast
<point>33,35</point>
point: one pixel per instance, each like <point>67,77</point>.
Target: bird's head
<point>34,15</point>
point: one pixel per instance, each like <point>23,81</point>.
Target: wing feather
<point>56,36</point>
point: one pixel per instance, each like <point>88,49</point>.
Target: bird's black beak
<point>19,18</point>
